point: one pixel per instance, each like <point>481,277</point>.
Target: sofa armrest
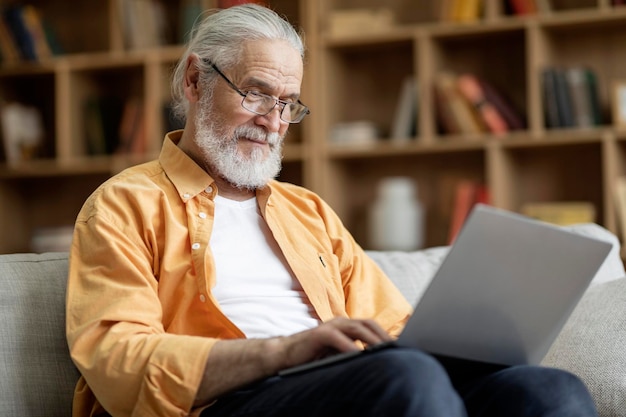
<point>37,374</point>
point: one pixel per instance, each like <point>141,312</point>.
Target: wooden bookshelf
<point>97,61</point>
<point>349,77</point>
<point>362,74</point>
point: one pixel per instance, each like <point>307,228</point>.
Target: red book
<point>471,88</point>
<point>464,200</point>
<point>523,7</point>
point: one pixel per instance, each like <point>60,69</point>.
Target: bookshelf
<point>363,72</point>
<point>98,60</point>
<point>350,77</point>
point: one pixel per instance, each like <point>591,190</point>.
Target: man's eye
<point>255,95</point>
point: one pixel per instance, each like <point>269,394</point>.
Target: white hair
<point>219,38</point>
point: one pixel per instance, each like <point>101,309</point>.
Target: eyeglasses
<point>262,104</point>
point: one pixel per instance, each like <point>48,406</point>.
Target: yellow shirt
<point>141,319</point>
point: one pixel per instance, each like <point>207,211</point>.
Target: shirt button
<point>195,246</point>
<point>186,195</point>
<point>202,298</point>
<point>209,189</point>
<point>202,215</point>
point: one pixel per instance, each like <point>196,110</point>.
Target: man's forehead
<point>270,64</point>
<point>271,55</point>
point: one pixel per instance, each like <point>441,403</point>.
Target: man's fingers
<point>366,331</point>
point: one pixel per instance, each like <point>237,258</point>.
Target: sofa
<point>38,377</point>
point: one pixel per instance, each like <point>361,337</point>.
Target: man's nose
<point>272,120</point>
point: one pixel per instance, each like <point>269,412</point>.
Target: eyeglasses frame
<point>245,95</point>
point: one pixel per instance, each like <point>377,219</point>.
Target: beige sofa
<point>37,376</point>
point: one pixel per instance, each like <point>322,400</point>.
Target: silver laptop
<point>505,289</point>
<point>502,294</point>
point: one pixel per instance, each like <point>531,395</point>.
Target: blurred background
<point>419,110</point>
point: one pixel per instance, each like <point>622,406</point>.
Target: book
<point>467,10</point>
<point>460,10</point>
<point>473,90</point>
<point>570,97</point>
<point>132,130</point>
<point>93,128</point>
<point>13,17</point>
<point>594,96</point>
<point>563,99</point>
<point>513,117</point>
<point>446,121</point>
<point>550,103</point>
<point>144,23</point>
<point>579,91</point>
<point>102,118</point>
<point>522,7</point>
<point>191,11</point>
<point>404,122</point>
<point>467,193</point>
<point>455,113</point>
<point>561,213</point>
<point>25,35</point>
<point>34,26</point>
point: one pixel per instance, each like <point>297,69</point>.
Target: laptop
<point>503,292</point>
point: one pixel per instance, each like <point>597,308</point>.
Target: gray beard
<point>219,151</point>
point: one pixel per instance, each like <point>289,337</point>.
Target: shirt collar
<point>187,176</point>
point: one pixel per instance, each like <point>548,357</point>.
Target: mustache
<point>256,133</point>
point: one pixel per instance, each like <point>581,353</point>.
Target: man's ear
<point>192,76</point>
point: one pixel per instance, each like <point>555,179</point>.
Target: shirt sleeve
<point>114,324</point>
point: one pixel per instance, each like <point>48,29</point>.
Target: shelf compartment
<point>436,175</point>
<point>568,43</point>
<point>79,26</point>
<point>52,202</point>
<point>364,82</point>
<point>33,89</point>
<point>417,11</point>
<point>546,172</point>
<point>472,53</point>
<point>117,85</point>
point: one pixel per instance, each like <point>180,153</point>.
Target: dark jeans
<point>404,382</point>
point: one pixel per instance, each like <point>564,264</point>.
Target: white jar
<point>396,219</point>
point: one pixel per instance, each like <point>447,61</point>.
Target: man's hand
<point>337,335</point>
<point>234,363</point>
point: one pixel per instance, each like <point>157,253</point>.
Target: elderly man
<point>196,278</point>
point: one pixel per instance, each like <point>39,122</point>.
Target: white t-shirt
<point>256,288</point>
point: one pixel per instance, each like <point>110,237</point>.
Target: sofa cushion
<point>592,345</point>
<point>411,272</point>
<point>38,376</point>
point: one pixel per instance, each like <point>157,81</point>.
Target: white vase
<point>396,219</point>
